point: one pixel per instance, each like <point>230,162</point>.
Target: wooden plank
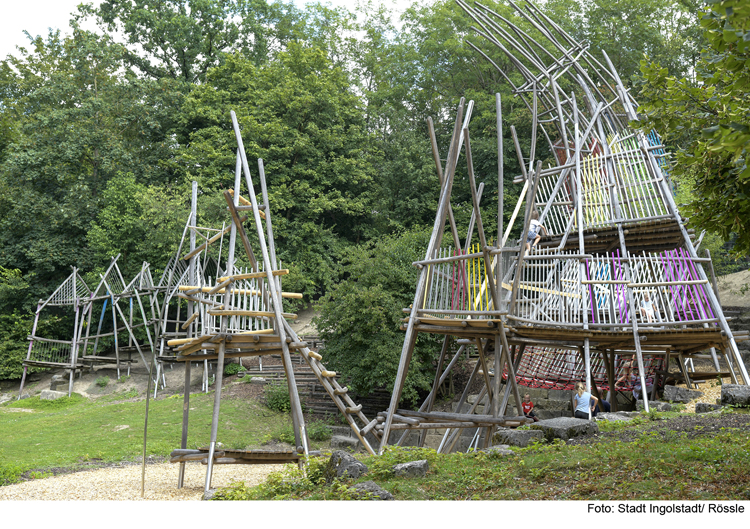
<point>252,313</point>
<point>256,275</point>
<point>248,291</point>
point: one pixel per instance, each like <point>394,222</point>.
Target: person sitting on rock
<point>528,407</point>
<point>600,406</point>
<point>584,402</point>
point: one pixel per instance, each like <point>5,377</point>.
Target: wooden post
<point>437,231</point>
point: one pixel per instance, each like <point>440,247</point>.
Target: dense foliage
<point>102,133</point>
<point>708,117</point>
<point>362,313</point>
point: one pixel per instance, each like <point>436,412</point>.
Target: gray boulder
<point>57,381</point>
<point>48,394</point>
<point>657,404</point>
<point>616,416</point>
<point>703,407</point>
<point>369,490</point>
<point>412,469</point>
<point>344,442</point>
<point>735,395</point>
<point>499,451</point>
<point>343,465</point>
<point>565,428</point>
<point>209,495</point>
<point>683,395</point>
<point>521,438</point>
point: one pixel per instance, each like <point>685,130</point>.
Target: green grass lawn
<point>652,467</point>
<point>70,431</point>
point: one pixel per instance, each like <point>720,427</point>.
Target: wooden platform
<point>235,457</point>
<point>673,338</point>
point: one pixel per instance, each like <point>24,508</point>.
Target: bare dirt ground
<point>734,289</point>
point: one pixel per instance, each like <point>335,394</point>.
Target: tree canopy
<point>708,120</point>
<point>101,134</point>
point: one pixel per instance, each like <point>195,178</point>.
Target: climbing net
<point>554,368</point>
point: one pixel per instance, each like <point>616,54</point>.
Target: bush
<point>102,382</point>
<point>360,316</point>
<point>277,397</point>
<point>319,431</point>
<point>232,369</point>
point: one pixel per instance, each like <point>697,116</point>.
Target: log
<point>315,355</point>
<point>251,313</point>
<point>462,417</point>
<point>256,275</point>
<point>328,374</point>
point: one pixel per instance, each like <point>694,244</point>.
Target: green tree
<point>79,118</point>
<point>299,115</point>
<point>361,315</point>
<point>708,120</point>
<point>182,39</point>
<point>140,222</point>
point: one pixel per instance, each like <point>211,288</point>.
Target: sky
<point>36,16</point>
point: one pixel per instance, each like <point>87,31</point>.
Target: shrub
<point>277,397</point>
<point>232,369</point>
<point>319,431</point>
<point>102,382</point>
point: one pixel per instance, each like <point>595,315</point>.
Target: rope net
<point>550,368</point>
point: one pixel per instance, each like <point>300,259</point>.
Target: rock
<point>344,442</point>
<point>209,495</point>
<point>657,404</point>
<point>703,407</point>
<point>48,394</point>
<point>24,396</point>
<point>369,490</point>
<point>521,438</point>
<point>683,395</point>
<point>343,465</point>
<point>412,469</point>
<point>58,380</point>
<point>501,450</point>
<point>565,428</point>
<point>555,405</point>
<point>617,416</point>
<point>344,431</point>
<point>735,395</point>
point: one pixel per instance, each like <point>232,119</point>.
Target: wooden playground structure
<point>617,276</point>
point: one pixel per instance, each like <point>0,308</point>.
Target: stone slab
<point>344,465</point>
<point>49,394</point>
<point>342,442</point>
<point>412,469</point>
<point>522,438</point>
<point>565,428</point>
<point>703,407</point>
<point>735,395</point>
<point>654,405</point>
<point>369,490</point>
<point>683,395</point>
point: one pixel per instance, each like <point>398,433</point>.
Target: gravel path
<point>124,483</point>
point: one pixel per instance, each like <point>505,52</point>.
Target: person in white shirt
<point>534,227</point>
<point>647,308</point>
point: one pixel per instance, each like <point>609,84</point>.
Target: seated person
<point>528,407</point>
<point>584,402</point>
<point>648,309</point>
<point>601,406</point>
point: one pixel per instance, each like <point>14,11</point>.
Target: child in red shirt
<point>528,407</point>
